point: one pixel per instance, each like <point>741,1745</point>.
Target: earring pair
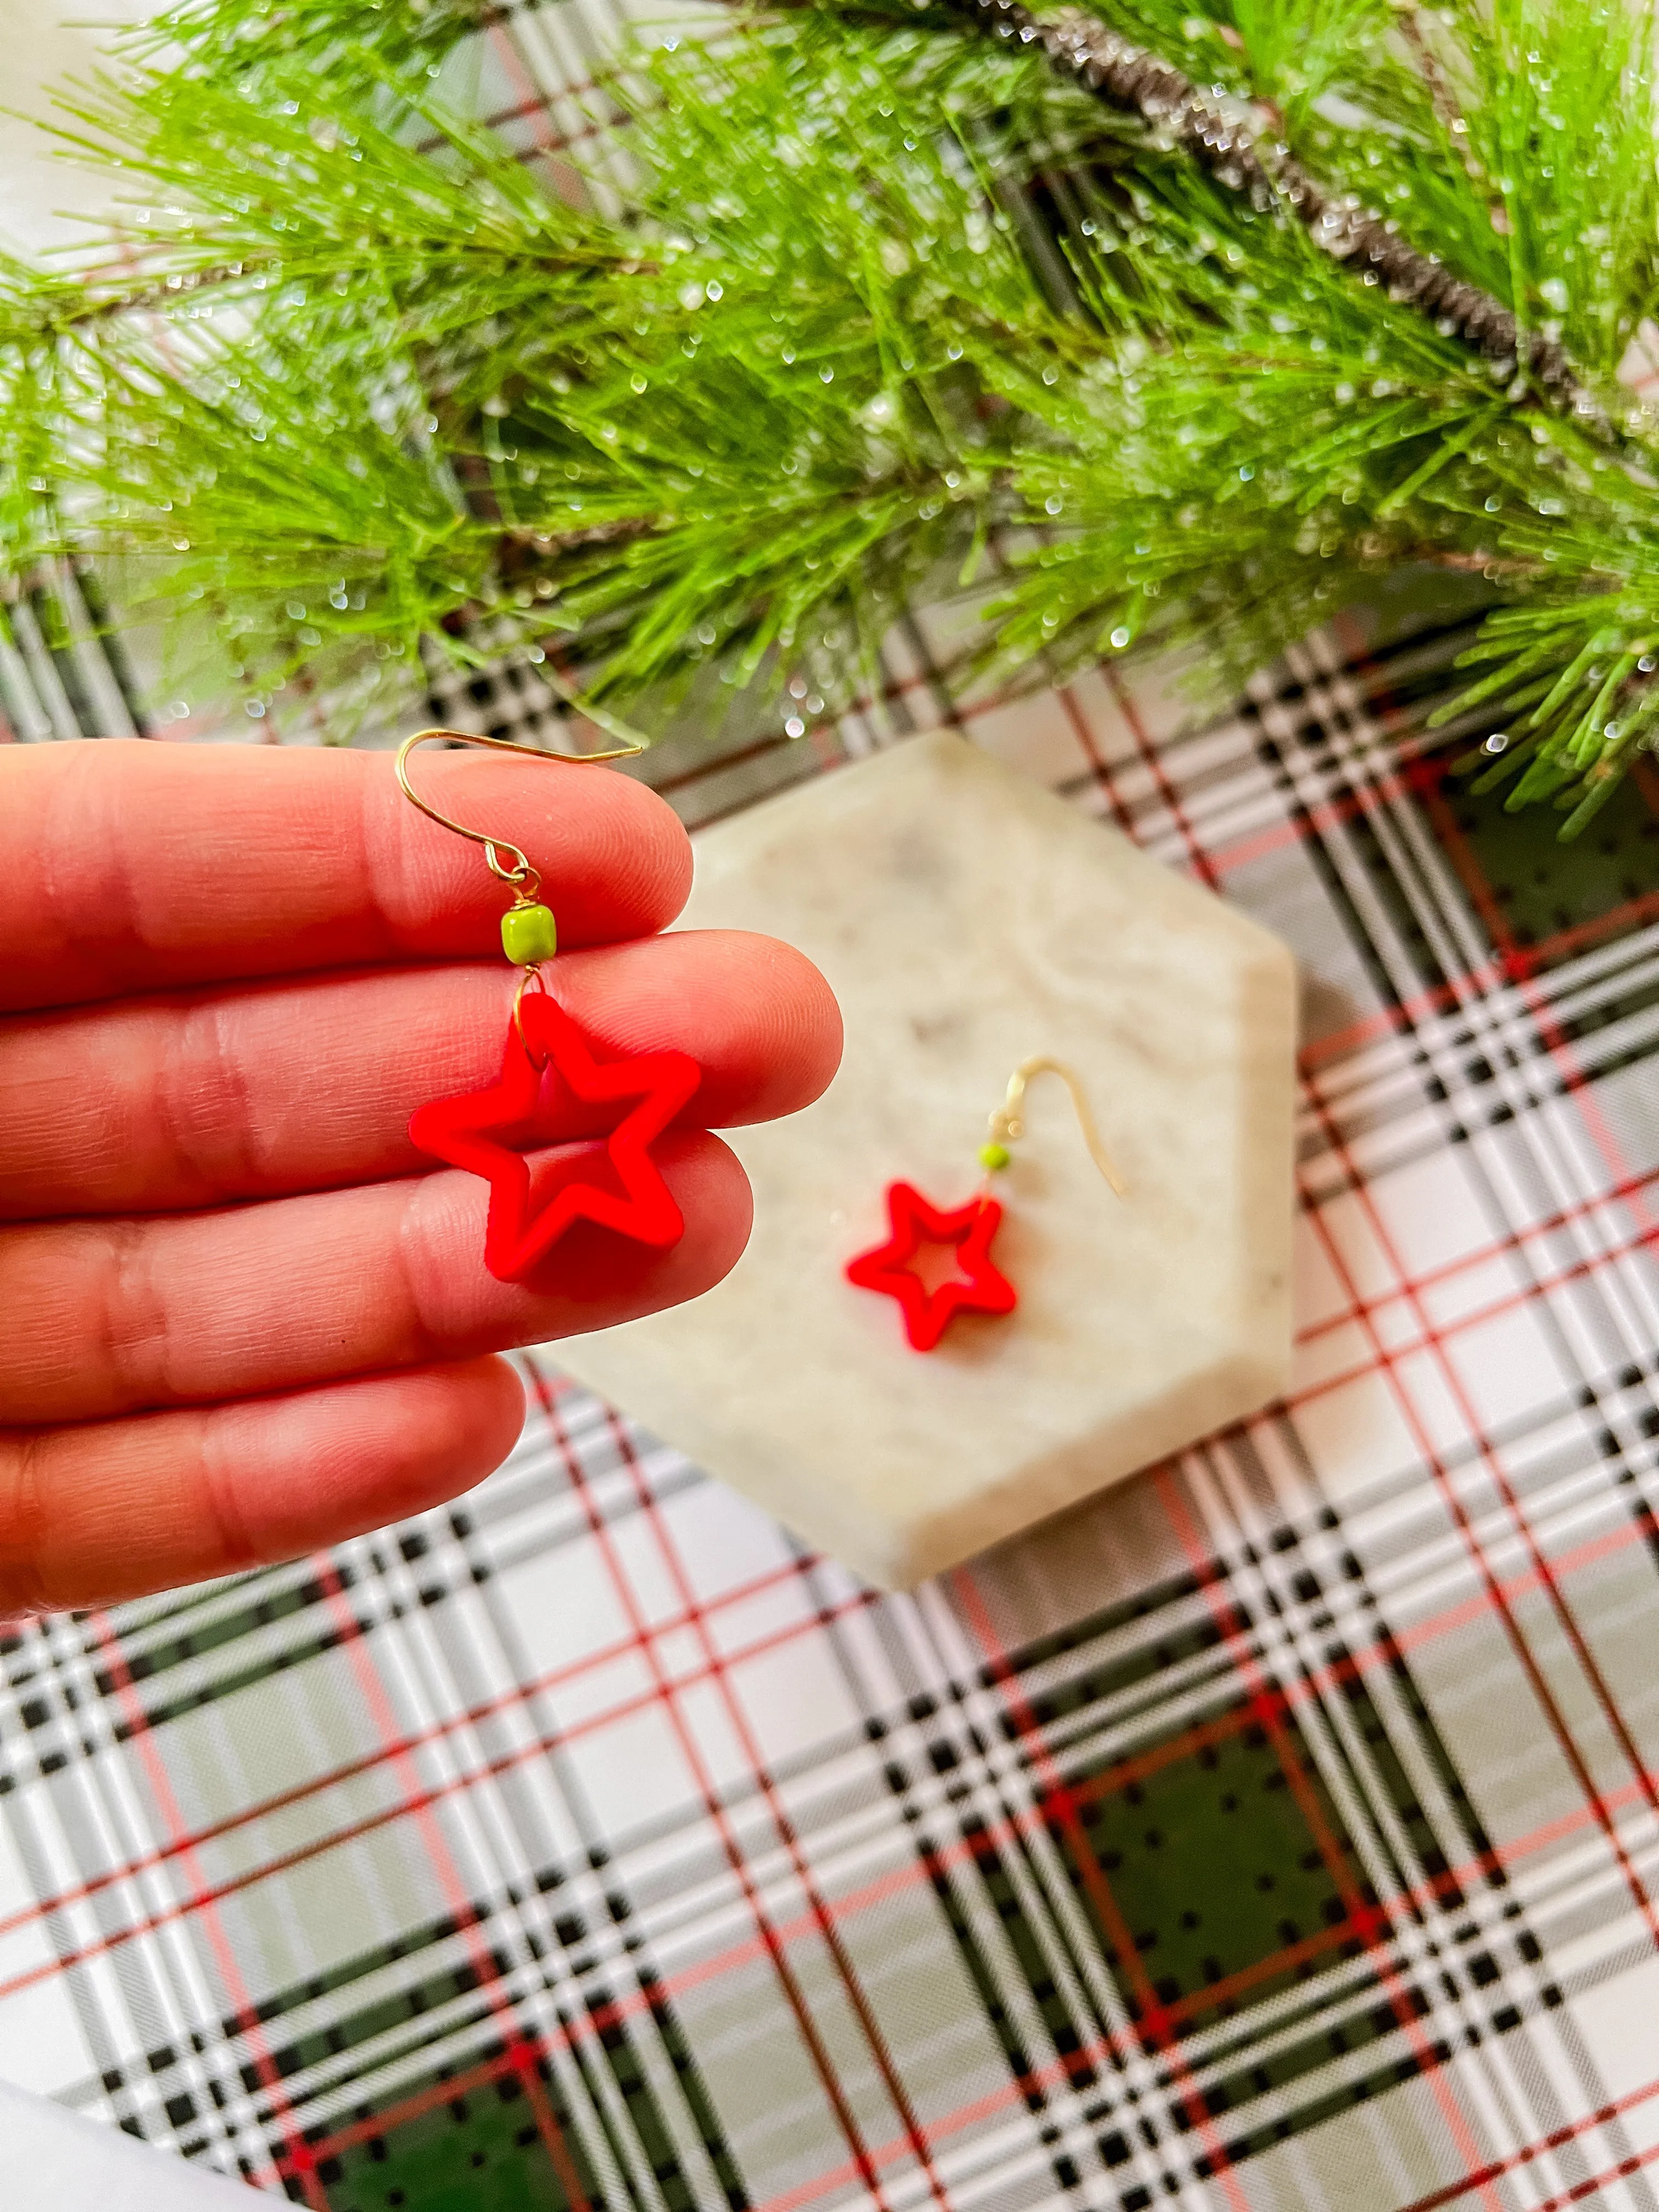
<point>487,1132</point>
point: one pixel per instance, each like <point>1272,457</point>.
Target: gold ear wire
<point>524,878</point>
<point>1008,1124</point>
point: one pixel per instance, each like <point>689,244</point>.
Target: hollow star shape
<point>981,1288</point>
<point>475,1132</point>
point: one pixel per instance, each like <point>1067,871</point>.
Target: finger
<point>109,1317</point>
<point>89,1515</point>
<point>131,866</point>
<point>254,1092</point>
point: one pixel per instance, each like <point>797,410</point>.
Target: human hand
<point>240,1317</point>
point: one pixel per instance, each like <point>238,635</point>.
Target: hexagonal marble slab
<point>967,918</point>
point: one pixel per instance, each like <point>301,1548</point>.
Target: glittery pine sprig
<point>1237,145</point>
<point>363,392</point>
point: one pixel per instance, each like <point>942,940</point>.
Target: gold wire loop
<point>532,975</point>
<point>1008,1124</point>
<point>525,879</point>
<point>517,871</point>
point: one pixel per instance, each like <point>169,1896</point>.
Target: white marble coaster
<point>966,918</point>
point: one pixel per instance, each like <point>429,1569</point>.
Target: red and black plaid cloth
<point>1281,1832</point>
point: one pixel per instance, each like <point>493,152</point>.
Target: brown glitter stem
<point>1235,144</point>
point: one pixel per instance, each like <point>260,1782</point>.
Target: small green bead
<point>994,1157</point>
<point>529,934</point>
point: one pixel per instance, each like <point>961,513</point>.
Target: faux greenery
<point>832,308</point>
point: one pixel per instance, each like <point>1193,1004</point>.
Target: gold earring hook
<point>520,873</point>
<point>1008,1124</point>
<point>531,975</point>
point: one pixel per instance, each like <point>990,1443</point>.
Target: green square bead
<point>529,934</point>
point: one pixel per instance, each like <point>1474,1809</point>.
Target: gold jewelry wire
<point>1008,1124</point>
<point>532,975</point>
<point>525,879</point>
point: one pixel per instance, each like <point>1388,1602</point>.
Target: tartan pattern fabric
<point>1281,1831</point>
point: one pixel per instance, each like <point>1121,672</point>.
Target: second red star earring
<point>548,1062</point>
<point>928,1302</point>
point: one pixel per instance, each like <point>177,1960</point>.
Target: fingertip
<point>103,1511</point>
<point>716,1185</point>
<point>297,1472</point>
<point>614,857</point>
<point>757,1017</point>
<point>659,847</point>
<point>462,1419</point>
<point>593,1279</point>
<point>333,866</point>
<point>809,1046</point>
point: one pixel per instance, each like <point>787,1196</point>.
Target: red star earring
<point>484,1130</point>
<point>980,1286</point>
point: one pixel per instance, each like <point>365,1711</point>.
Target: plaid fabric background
<point>1280,1832</point>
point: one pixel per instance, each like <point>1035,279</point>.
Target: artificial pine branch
<point>867,303</point>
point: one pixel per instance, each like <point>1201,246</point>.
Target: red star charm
<point>477,1132</point>
<point>914,1222</point>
